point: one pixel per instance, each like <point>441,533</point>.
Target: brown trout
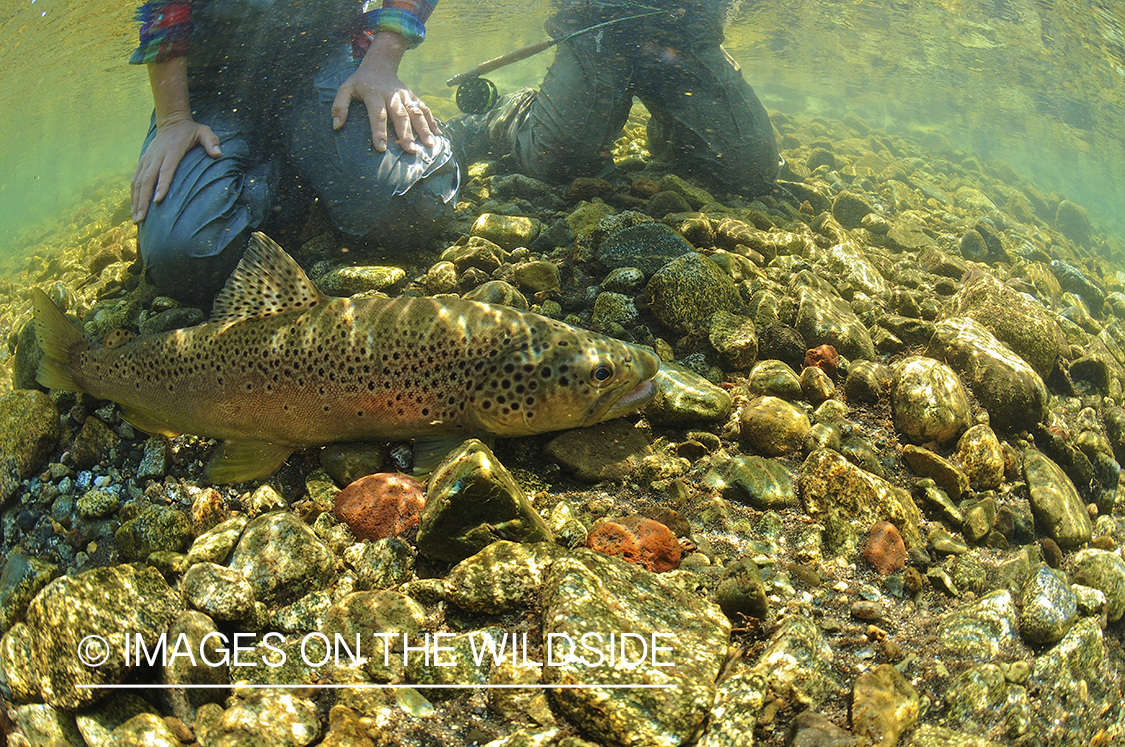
<point>280,367</point>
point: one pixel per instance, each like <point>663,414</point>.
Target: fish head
<point>566,378</point>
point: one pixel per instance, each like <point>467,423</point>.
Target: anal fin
<point>242,460</point>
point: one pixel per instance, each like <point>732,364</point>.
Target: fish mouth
<point>610,406</point>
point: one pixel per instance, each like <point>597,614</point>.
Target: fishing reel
<point>476,95</point>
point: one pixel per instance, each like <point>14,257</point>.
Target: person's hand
<point>377,85</point>
<point>158,163</point>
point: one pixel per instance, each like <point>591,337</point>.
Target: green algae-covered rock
<point>223,594</point>
<point>351,281</point>
<point>199,632</point>
<point>501,576</point>
<point>928,401</point>
<point>884,706</point>
<point>590,594</point>
<point>265,718</point>
<point>763,484</point>
<point>776,379</point>
<point>1049,607</point>
<point>831,485</point>
<point>506,231</point>
<point>97,724</point>
<point>347,462</point>
<point>605,451</point>
<point>685,293</point>
<point>216,544</point>
<point>981,630</point>
<point>156,528</point>
<point>823,318</point>
<point>982,698</point>
<point>741,592</point>
<point>282,558</point>
<point>1058,507</point>
<point>772,426</point>
<point>22,578</point>
<point>103,602</point>
<point>472,501</point>
<point>93,443</point>
<point>1011,391</point>
<point>43,724</point>
<point>1104,571</point>
<point>369,614</point>
<point>29,428</point>
<point>646,246</point>
<point>735,338</point>
<point>683,396</point>
<point>797,663</point>
<point>1022,325</point>
<point>1078,656</point>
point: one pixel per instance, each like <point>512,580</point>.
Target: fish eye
<point>602,373</point>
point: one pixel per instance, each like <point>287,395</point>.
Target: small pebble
<point>1052,553</point>
<point>885,549</point>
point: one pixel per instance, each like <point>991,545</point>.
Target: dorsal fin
<point>266,282</point>
<point>115,338</point>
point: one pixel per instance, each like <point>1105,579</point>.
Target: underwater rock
<point>981,630</point>
<point>215,545</point>
<point>685,293</point>
<point>772,426</point>
<point>983,698</point>
<point>500,577</point>
<point>220,593</point>
<point>928,401</point>
<point>102,602</point>
<point>369,615</point>
<point>1073,222</point>
<point>590,593</point>
<point>29,429</point>
<point>763,484</point>
<point>1005,385</point>
<point>825,318</point>
<point>775,379</point>
<point>472,501</point>
<point>979,451</point>
<point>610,309</point>
<point>604,451</point>
<point>22,578</point>
<point>646,246</point>
<point>849,208</point>
<point>928,464</point>
<point>199,632</point>
<point>735,338</point>
<point>351,281</point>
<point>1049,607</point>
<point>499,293</point>
<point>509,187</point>
<point>385,504</point>
<point>885,550</point>
<point>506,231</point>
<point>868,381</point>
<point>347,462</point>
<point>94,442</point>
<point>683,396</point>
<point>831,485</point>
<point>798,663</point>
<point>884,706</point>
<point>282,558</point>
<point>636,539</point>
<point>269,717</point>
<point>740,591</point>
<point>156,528</point>
<point>1022,325</point>
<point>1104,571</point>
<point>1056,503</point>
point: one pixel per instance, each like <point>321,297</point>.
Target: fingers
<point>210,142</point>
<point>377,113</point>
<point>340,105</point>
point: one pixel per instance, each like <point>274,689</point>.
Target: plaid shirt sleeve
<point>165,29</point>
<point>405,17</point>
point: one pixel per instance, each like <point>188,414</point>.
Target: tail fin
<point>56,338</point>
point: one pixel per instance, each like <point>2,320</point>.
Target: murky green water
<point>1038,83</point>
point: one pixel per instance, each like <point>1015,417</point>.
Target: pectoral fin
<point>239,461</point>
<point>147,423</point>
<point>429,452</point>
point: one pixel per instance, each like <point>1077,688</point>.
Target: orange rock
<point>636,539</point>
<point>823,357</point>
<point>385,504</point>
<point>885,549</point>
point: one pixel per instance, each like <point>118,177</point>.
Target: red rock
<point>885,549</point>
<point>823,357</point>
<point>636,539</point>
<point>385,504</point>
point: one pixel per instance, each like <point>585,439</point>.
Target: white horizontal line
<point>373,686</point>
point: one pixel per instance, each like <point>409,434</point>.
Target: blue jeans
<point>279,152</point>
